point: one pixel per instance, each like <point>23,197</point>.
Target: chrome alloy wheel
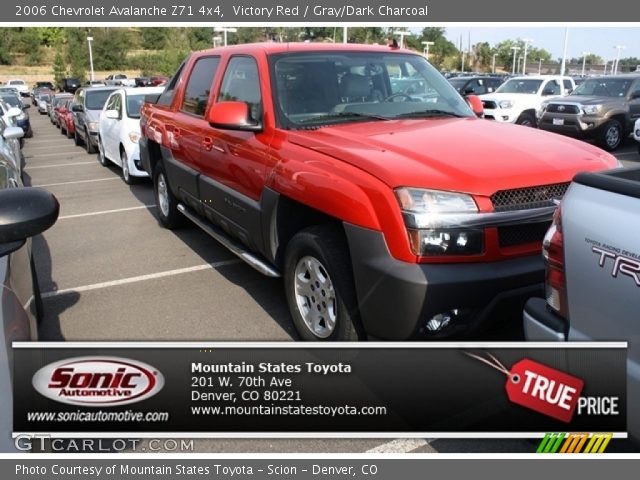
<point>315,297</point>
<point>163,195</point>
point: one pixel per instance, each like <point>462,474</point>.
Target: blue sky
<point>598,40</point>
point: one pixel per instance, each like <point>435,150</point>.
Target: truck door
<point>186,129</point>
<point>634,102</point>
<point>233,162</point>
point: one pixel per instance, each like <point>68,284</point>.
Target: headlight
<point>505,103</point>
<point>591,109</point>
<point>93,126</point>
<point>431,220</point>
<point>134,137</point>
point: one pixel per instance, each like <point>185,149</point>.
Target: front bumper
<point>503,115</point>
<point>572,125</point>
<point>397,299</point>
<point>135,164</point>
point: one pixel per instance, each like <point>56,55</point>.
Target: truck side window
<point>241,83</point>
<point>196,94</point>
<point>166,97</point>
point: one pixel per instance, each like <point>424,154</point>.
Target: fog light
<point>505,118</point>
<point>441,320</point>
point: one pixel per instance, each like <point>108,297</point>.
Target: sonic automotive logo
<point>98,381</point>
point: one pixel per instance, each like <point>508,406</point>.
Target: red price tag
<point>544,389</point>
<point>538,387</point>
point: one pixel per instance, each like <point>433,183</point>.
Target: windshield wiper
<point>429,113</point>
<point>329,116</point>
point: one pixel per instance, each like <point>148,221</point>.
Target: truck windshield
<point>603,87</point>
<point>516,85</point>
<point>328,88</point>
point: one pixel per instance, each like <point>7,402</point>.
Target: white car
<point>636,133</point>
<point>20,85</point>
<point>520,98</point>
<point>119,131</point>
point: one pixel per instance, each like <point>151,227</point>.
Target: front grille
<point>490,104</point>
<point>512,235</point>
<point>527,198</point>
<point>562,108</point>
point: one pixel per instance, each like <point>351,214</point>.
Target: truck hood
<point>588,100</point>
<point>458,154</point>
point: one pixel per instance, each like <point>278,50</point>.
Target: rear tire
<point>167,205</point>
<point>611,135</point>
<point>319,285</point>
<point>104,161</point>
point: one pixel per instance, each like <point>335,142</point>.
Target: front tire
<point>167,205</point>
<point>87,143</point>
<point>526,120</point>
<point>319,285</point>
<point>76,139</point>
<point>126,173</point>
<point>102,158</point>
<point>611,135</point>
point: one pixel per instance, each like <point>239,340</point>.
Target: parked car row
<point>602,109</point>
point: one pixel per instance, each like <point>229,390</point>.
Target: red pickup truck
<point>363,178</point>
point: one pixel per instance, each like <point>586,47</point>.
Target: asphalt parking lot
<point>108,272</point>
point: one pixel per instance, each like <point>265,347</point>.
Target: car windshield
<point>16,82</point>
<point>58,101</point>
<point>519,85</point>
<point>45,98</point>
<point>313,89</point>
<point>458,83</point>
<point>604,87</point>
<point>12,101</point>
<point>97,98</point>
<point>134,104</point>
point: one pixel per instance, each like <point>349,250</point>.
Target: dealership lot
<point>109,272</point>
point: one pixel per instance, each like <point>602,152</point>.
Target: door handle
<point>208,144</point>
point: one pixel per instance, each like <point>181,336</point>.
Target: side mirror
<point>547,92</point>
<point>76,107</point>
<point>476,105</point>
<point>112,114</point>
<point>13,132</point>
<point>25,106</point>
<point>152,97</point>
<point>469,91</point>
<point>24,212</point>
<point>635,95</point>
<point>232,116</point>
<point>14,112</point>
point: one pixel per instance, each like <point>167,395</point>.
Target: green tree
<point>6,39</point>
<point>77,52</point>
<point>443,53</point>
<point>110,47</point>
<point>59,67</point>
<point>200,38</point>
<point>28,41</point>
<point>154,38</point>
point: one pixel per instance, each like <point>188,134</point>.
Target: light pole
<point>619,48</point>
<point>540,66</point>
<point>493,63</point>
<point>426,48</point>
<point>526,41</point>
<point>216,39</point>
<point>605,68</point>
<point>402,34</point>
<point>584,60</point>
<point>564,52</point>
<point>515,50</point>
<point>89,40</point>
<point>224,31</point>
<point>518,69</point>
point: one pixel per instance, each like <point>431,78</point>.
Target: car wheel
<point>526,120</point>
<point>102,158</point>
<point>76,138</point>
<point>610,135</point>
<point>126,174</point>
<point>87,143</point>
<point>69,134</point>
<point>29,133</point>
<point>168,214</point>
<point>63,130</point>
<point>319,285</point>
